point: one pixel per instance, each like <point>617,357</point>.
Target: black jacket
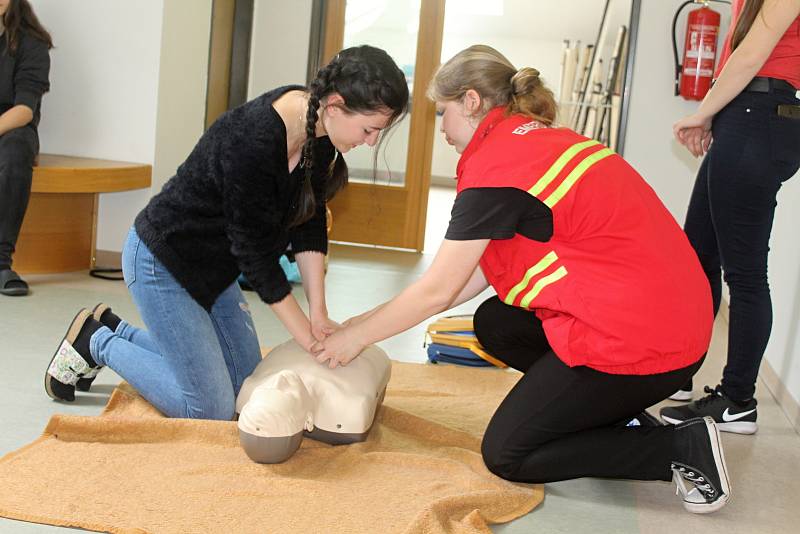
<point>24,75</point>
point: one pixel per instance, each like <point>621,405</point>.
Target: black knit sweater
<point>24,76</point>
<point>228,207</point>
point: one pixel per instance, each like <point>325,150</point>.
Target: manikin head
<point>290,394</point>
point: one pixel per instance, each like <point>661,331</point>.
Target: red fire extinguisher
<point>693,76</point>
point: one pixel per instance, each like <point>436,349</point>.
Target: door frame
<point>376,214</point>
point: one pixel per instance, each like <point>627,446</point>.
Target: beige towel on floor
<point>133,470</point>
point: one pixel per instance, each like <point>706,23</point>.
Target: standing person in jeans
<point>24,71</point>
<point>257,181</point>
<point>753,115</point>
<point>601,302</point>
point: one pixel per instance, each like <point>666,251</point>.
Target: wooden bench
<point>60,226</point>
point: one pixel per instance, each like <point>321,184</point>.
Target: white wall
<point>104,91</point>
<point>649,145</point>
<point>109,97</point>
<point>279,45</point>
<point>671,170</point>
<point>182,85</point>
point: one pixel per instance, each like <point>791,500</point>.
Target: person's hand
<point>339,348</point>
<point>322,326</point>
<point>356,319</point>
<point>694,132</point>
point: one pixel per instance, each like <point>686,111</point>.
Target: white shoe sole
<point>735,427</point>
<point>739,427</point>
<point>722,470</point>
<point>681,395</point>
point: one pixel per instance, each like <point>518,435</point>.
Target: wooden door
<point>389,210</point>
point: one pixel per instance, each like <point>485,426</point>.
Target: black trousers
<point>18,149</point>
<point>730,216</point>
<point>561,422</point>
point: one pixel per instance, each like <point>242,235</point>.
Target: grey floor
<point>765,467</point>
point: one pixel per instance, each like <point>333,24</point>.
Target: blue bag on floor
<point>290,268</point>
<point>461,356</point>
<point>453,340</point>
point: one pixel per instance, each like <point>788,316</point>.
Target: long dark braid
<point>316,90</point>
<point>368,80</point>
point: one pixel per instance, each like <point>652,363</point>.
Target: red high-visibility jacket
<point>618,287</point>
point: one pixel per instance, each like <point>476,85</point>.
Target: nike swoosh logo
<point>727,416</point>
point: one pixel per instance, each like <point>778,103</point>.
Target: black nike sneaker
<point>729,415</point>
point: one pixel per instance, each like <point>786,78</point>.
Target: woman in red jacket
<point>601,301</point>
<point>754,115</point>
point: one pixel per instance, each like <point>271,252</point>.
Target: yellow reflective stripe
<point>559,165</point>
<point>543,264</point>
<point>543,282</point>
<point>575,175</point>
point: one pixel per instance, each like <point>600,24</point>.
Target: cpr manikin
<point>290,394</point>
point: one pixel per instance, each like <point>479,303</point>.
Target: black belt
<point>761,84</point>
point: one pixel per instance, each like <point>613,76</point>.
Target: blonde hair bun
<point>497,81</point>
<point>524,81</point>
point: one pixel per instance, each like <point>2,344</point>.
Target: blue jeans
<point>189,362</point>
<point>730,216</point>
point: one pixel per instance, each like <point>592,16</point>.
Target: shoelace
<point>697,480</point>
<point>712,394</point>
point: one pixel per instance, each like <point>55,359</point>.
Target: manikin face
<point>347,129</point>
<point>459,121</point>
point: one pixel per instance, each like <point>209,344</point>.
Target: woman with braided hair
<point>256,183</point>
<point>601,302</point>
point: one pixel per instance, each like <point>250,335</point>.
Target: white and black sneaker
<point>729,415</point>
<point>72,359</point>
<point>683,394</point>
<point>700,473</point>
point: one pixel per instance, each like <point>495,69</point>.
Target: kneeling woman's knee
<point>484,320</point>
<point>498,460</point>
<point>220,406</point>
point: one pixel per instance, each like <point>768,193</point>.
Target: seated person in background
<point>24,71</point>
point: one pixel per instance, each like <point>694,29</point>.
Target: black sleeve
<point>31,75</point>
<point>499,213</point>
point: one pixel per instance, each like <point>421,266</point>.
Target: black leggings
<point>560,422</point>
<point>18,148</point>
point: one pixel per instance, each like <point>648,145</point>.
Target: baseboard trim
<point>107,259</point>
<point>790,407</point>
<point>782,395</point>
